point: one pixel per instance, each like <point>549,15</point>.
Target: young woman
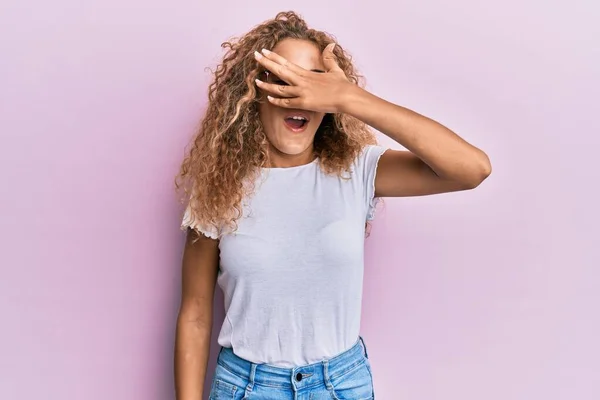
<point>282,178</point>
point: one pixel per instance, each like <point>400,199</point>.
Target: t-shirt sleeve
<point>367,170</point>
<point>189,221</point>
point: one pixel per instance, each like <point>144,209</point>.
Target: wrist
<point>349,96</point>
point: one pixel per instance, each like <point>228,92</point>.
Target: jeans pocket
<point>222,390</point>
<point>356,384</point>
<point>226,385</point>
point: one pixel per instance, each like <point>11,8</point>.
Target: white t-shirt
<point>292,272</point>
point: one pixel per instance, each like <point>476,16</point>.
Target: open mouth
<point>296,123</point>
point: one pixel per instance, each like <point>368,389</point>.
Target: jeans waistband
<point>297,377</point>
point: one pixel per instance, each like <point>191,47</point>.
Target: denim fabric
<point>346,376</point>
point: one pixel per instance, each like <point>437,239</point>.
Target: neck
<point>278,159</point>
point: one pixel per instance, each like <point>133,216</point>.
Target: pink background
<point>492,294</point>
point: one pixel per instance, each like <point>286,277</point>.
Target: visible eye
<point>274,79</point>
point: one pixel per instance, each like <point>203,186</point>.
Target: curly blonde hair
<point>230,147</point>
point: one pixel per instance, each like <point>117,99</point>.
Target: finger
<point>329,59</point>
<point>295,102</point>
<point>271,55</point>
<point>278,90</point>
<point>281,71</point>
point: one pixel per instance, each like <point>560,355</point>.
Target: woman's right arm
<point>194,322</point>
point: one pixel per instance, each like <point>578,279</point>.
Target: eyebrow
<point>313,70</point>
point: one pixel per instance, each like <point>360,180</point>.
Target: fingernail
<point>258,81</point>
<point>266,52</point>
<point>257,55</point>
<point>270,98</point>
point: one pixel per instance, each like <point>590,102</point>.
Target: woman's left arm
<point>438,159</point>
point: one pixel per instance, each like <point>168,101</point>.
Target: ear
<point>329,59</point>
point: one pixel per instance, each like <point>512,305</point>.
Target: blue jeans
<point>346,376</point>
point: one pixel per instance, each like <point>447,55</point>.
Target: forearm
<point>447,154</point>
<point>192,346</point>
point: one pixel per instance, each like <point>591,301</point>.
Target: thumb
<point>329,59</point>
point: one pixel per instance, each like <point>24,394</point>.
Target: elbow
<point>478,172</point>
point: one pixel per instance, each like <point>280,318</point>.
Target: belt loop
<point>326,374</point>
<point>250,385</point>
<point>364,346</point>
